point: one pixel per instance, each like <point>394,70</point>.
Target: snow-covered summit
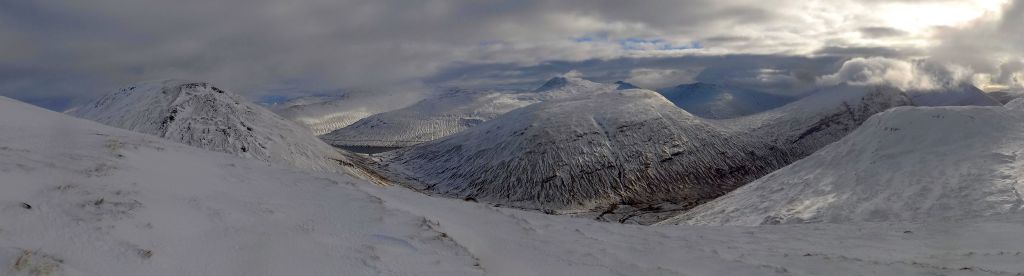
<point>205,116</point>
<point>906,164</point>
<point>625,85</point>
<point>428,119</point>
<point>959,95</point>
<point>563,87</point>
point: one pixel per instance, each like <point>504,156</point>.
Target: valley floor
<point>79,198</point>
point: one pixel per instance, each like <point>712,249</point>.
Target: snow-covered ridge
<point>453,112</point>
<point>428,119</point>
<point>906,164</point>
<point>959,95</point>
<point>607,147</point>
<point>325,113</point>
<point>204,116</point>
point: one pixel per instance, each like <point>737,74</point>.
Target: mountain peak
<point>562,82</point>
<point>625,85</point>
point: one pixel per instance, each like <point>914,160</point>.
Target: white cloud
<point>907,75</point>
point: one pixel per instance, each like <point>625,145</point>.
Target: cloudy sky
<point>57,52</point>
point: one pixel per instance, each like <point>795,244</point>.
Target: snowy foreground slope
<point>607,148</point>
<point>323,114</point>
<point>204,116</point>
<point>428,119</point>
<point>906,164</point>
<point>80,198</point>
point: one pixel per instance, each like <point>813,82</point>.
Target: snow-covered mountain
<point>1005,96</point>
<point>428,119</point>
<point>715,101</point>
<point>325,113</point>
<point>611,147</point>
<point>81,198</point>
<point>906,164</point>
<point>204,116</point>
<point>451,113</point>
<point>962,95</point>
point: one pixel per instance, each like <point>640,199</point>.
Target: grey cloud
<point>881,32</point>
<point>991,45</point>
<point>76,49</point>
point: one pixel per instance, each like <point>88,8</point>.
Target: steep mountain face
<point>962,95</point>
<point>906,164</point>
<point>715,101</point>
<point>205,116</point>
<point>610,147</point>
<point>323,114</point>
<point>628,146</point>
<point>451,113</point>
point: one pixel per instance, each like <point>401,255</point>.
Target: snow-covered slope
<point>906,164</point>
<point>962,95</point>
<point>80,198</point>
<point>451,113</point>
<point>610,147</point>
<point>325,113</point>
<point>718,102</point>
<point>804,126</point>
<point>204,116</point>
<point>428,119</point>
<point>1015,104</point>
